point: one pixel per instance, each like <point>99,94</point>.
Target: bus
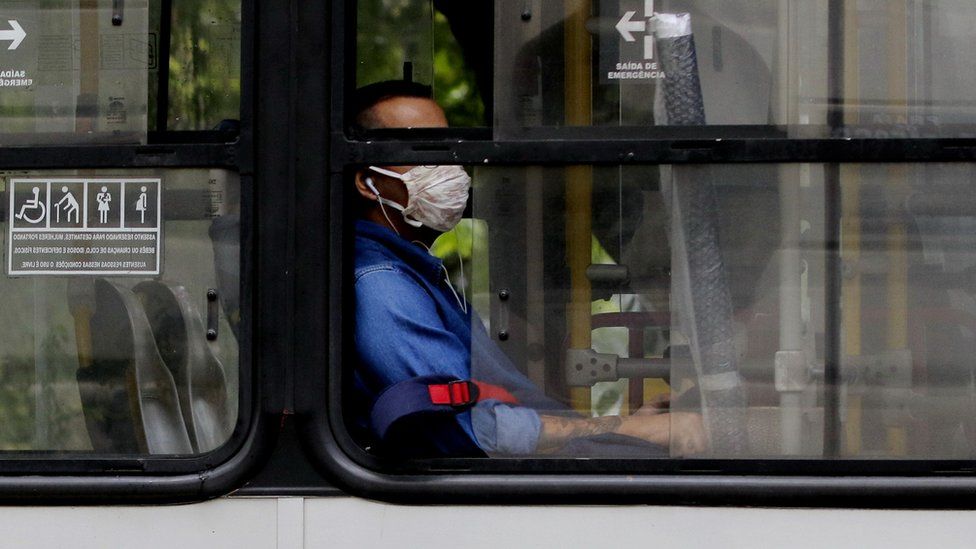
<point>751,213</point>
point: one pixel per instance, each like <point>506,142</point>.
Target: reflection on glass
<point>704,293</point>
<point>443,44</point>
<point>71,73</point>
<point>204,64</point>
<point>119,363</point>
<point>871,69</point>
<point>94,72</point>
<point>394,40</point>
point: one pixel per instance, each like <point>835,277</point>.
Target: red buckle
<point>456,393</point>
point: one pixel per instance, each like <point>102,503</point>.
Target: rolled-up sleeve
<point>506,430</point>
<point>399,335</point>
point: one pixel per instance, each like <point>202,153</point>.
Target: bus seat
<point>199,375</point>
<point>128,395</point>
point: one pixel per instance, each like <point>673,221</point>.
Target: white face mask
<point>436,195</point>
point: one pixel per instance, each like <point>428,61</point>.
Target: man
<point>410,323</point>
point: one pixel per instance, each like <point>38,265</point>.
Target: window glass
<point>108,71</point>
<point>675,311</point>
<point>205,64</point>
<point>421,40</point>
<point>75,71</point>
<point>871,69</point>
<point>121,315</point>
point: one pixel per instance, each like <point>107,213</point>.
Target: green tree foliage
<point>393,32</point>
<point>204,60</point>
<point>16,403</point>
<point>455,87</point>
<point>40,413</point>
<point>204,63</point>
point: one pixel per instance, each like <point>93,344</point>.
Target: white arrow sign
<point>627,25</point>
<point>16,35</point>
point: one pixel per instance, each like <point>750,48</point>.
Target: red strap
<point>458,393</point>
<point>495,392</point>
<point>455,393</point>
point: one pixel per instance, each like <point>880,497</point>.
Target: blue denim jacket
<point>409,324</point>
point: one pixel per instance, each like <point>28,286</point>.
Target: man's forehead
<point>409,112</point>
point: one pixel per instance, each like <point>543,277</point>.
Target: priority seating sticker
<point>65,227</point>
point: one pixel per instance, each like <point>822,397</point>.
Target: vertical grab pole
<point>790,358</point>
<point>850,247</point>
<point>165,42</point>
<point>82,303</point>
<point>579,188</point>
<point>897,236</point>
<point>87,108</point>
<point>784,67</point>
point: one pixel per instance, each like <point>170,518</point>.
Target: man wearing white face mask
<point>417,344</point>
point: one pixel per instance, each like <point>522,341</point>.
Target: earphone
<point>369,183</point>
<point>462,302</point>
<point>380,200</point>
<point>386,202</point>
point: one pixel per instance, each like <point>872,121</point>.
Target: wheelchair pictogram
<point>34,210</point>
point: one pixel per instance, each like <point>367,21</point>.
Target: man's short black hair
<point>367,97</point>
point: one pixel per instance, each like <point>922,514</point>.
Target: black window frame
<point>861,483</point>
<point>45,477</point>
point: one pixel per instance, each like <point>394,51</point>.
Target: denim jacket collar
<point>413,255</point>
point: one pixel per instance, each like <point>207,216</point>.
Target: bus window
<point>420,41</point>
<point>877,69</point>
<point>108,72</point>
<point>604,303</point>
<point>74,72</point>
<point>204,65</point>
<point>698,236</point>
<point>122,310</point>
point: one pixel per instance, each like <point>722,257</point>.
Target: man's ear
<point>363,187</point>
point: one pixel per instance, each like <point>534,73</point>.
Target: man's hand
<point>687,434</point>
<point>682,431</point>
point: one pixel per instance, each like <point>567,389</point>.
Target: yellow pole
<point>579,188</point>
<point>88,92</point>
<point>850,252</point>
<point>897,282</point>
<point>897,238</point>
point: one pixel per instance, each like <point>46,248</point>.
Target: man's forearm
<point>557,431</point>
